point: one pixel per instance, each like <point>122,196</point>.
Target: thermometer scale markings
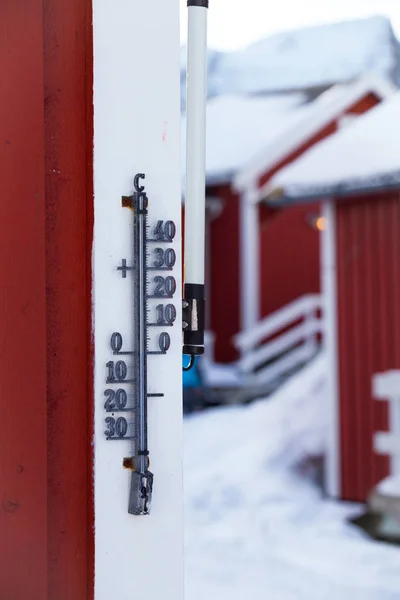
<point>117,401</point>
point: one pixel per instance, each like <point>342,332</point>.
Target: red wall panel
<point>224,262</point>
<point>368,260</point>
<point>289,266</point>
<point>23,462</point>
<point>46,541</point>
<point>289,262</point>
<point>67,85</point>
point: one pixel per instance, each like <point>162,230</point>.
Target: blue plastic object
<point>191,379</point>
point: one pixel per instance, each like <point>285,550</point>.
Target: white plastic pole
<point>196,141</point>
<point>195,176</point>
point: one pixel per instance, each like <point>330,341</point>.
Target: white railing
<point>386,386</point>
<point>296,331</point>
<point>218,376</point>
<point>209,343</point>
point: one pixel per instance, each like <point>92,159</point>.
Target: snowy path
<point>254,528</point>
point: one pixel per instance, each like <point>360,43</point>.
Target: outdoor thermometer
<point>150,268</point>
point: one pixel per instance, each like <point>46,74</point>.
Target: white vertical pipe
<point>249,259</point>
<point>196,141</point>
<point>311,341</point>
<point>329,290</point>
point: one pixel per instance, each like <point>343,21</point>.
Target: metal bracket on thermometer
<point>193,319</point>
<point>193,322</point>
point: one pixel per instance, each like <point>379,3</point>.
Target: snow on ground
<point>216,375</point>
<point>390,486</point>
<point>256,527</point>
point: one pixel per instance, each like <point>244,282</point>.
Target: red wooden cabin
<point>357,174</point>
<point>251,246</point>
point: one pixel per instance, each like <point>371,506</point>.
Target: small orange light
<point>320,223</point>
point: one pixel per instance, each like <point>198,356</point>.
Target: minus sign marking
<point>112,381</point>
<point>120,439</point>
<point>118,410</point>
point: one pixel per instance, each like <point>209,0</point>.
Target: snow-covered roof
<point>363,156</point>
<point>238,127</point>
<point>309,58</point>
<point>312,57</point>
<point>307,122</point>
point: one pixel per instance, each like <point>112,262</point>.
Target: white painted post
<point>136,129</point>
<point>249,244</point>
<point>329,292</point>
<point>311,341</point>
<point>209,344</point>
<point>386,386</point>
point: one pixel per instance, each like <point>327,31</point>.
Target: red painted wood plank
<point>89,310</point>
<point>68,97</point>
<point>395,271</point>
<point>289,262</point>
<point>23,456</point>
<point>355,335</point>
<point>224,297</point>
<point>368,232</point>
<point>381,258</point>
<point>370,330</point>
<point>346,380</point>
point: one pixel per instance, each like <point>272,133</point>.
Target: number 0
<point>164,342</point>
